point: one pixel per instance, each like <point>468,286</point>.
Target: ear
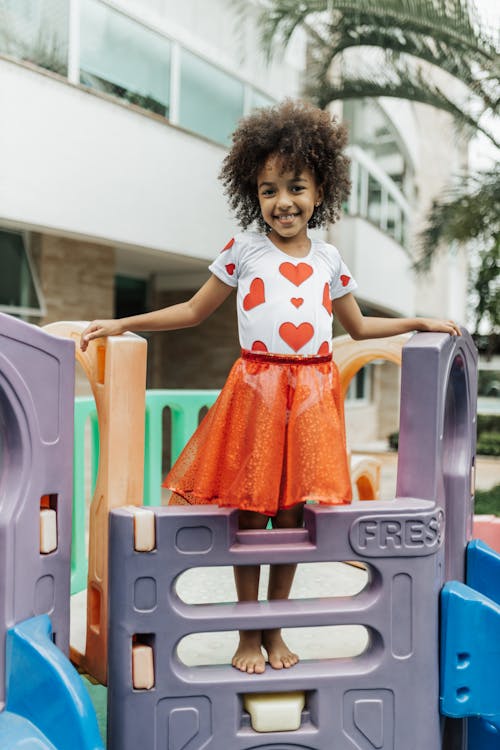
<point>319,196</point>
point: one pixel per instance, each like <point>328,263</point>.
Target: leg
<point>249,657</point>
<point>280,583</point>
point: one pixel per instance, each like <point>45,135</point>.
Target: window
<point>257,99</point>
<point>488,401</point>
<point>211,101</point>
<point>360,181</point>
<point>371,129</point>
<point>393,219</point>
<point>36,32</point>
<point>123,58</point>
<point>373,197</point>
<point>18,288</point>
<point>360,386</point>
<point>374,200</point>
<point>130,296</point>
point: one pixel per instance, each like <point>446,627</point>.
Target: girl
<point>275,437</point>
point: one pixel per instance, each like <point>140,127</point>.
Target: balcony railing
<point>377,198</point>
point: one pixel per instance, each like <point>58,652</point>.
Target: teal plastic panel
<point>185,407</point>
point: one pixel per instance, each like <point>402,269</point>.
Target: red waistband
<point>285,359</point>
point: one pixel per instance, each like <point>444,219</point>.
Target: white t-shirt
<point>283,303</point>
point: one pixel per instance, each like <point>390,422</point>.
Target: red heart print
<point>230,268</point>
<point>229,245</point>
<point>255,296</point>
<point>345,279</point>
<point>324,348</point>
<point>259,346</point>
<point>327,303</point>
<point>297,301</point>
<point>296,336</point>
<point>296,274</point>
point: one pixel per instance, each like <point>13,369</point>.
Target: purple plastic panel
<point>36,459</point>
<point>349,700</point>
<point>385,698</point>
<point>437,440</point>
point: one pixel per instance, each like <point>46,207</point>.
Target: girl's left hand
<point>436,326</point>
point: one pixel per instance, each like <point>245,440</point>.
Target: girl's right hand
<point>99,328</point>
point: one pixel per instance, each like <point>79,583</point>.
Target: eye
<point>297,188</point>
<point>267,192</point>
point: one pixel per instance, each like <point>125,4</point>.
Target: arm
<point>346,309</point>
<point>184,315</point>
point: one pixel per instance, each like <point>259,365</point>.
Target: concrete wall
<point>79,164</point>
<point>379,264</point>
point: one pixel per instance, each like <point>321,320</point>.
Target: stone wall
<point>76,277</point>
<point>77,283</point>
<point>388,385</point>
<point>198,357</point>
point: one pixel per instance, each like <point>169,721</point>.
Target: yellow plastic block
<point>144,529</point>
<point>48,531</point>
<point>275,712</point>
<point>143,673</point>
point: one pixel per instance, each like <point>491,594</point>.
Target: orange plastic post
<point>116,369</point>
<point>350,356</point>
<point>365,474</point>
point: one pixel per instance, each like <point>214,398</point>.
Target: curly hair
<point>304,137</point>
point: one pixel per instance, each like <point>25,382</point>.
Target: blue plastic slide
<point>470,648</point>
<point>48,707</point>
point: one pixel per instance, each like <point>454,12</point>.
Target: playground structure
<point>411,545</point>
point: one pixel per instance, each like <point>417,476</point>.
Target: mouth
<point>285,218</point>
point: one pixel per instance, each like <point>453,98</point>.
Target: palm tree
<point>443,33</point>
<point>411,37</point>
<point>470,213</point>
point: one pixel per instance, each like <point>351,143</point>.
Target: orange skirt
<point>274,437</point>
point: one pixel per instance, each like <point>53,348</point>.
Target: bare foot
<point>278,653</point>
<point>249,657</point>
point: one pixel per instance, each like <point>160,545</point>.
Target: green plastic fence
<point>185,407</point>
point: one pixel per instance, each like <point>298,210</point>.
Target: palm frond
<point>453,21</point>
<point>279,21</point>
<point>486,285</point>
<point>469,210</point>
<point>412,88</point>
<point>455,60</point>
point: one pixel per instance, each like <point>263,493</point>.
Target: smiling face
<point>287,201</point>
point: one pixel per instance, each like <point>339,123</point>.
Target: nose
<point>284,199</point>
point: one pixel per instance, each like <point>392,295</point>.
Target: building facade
<point>116,115</point>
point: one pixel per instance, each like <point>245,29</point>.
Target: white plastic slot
<point>144,529</point>
<point>48,531</point>
<point>143,673</point>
